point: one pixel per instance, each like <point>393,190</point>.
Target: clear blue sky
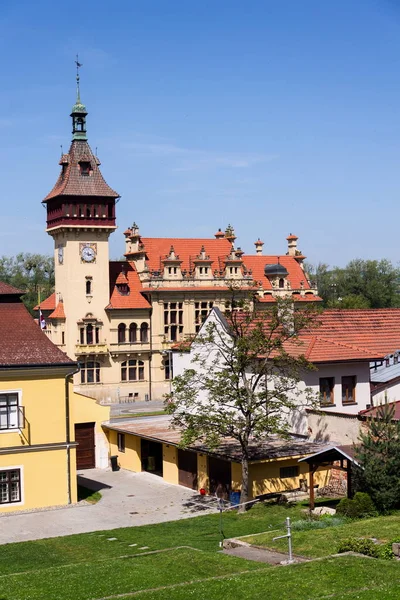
<point>275,116</point>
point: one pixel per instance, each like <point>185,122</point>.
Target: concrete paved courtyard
<point>128,499</point>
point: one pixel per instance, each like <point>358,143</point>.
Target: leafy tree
<point>244,380</point>
<point>361,284</point>
<point>378,455</point>
<point>32,273</point>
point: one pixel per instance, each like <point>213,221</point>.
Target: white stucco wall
<point>390,393</point>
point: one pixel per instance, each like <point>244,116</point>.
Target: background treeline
<point>32,273</point>
<point>361,284</point>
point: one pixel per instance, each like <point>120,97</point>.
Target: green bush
<point>360,545</point>
<point>367,547</point>
<point>361,506</point>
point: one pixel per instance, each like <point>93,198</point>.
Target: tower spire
<point>79,111</point>
<point>78,94</point>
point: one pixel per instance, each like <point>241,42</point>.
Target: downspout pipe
<point>67,429</point>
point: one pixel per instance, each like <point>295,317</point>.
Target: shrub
<point>367,547</point>
<point>360,545</point>
<point>361,506</point>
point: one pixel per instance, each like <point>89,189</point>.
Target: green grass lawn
<point>322,542</point>
<point>94,566</point>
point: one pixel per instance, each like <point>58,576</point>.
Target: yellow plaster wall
<point>236,474</point>
<point>170,464</point>
<point>44,478</point>
<point>44,402</point>
<point>131,459</point>
<point>203,480</point>
<point>87,410</point>
<point>265,476</point>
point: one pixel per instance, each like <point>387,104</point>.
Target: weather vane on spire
<point>78,65</point>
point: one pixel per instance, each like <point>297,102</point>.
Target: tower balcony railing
<point>82,349</point>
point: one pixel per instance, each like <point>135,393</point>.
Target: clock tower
<point>80,219</point>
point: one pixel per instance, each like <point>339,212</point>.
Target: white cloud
<point>187,159</point>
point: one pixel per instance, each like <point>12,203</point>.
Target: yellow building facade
<point>39,413</point>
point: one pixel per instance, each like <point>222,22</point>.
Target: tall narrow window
<point>144,333</point>
<point>281,283</point>
<point>88,287</point>
<point>89,334</point>
<point>121,333</point>
<point>63,337</point>
<point>326,387</point>
<point>348,389</point>
<point>82,335</point>
<point>121,442</point>
<point>97,333</point>
<point>133,333</point>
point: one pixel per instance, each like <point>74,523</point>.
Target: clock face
<point>88,254</point>
<point>60,255</point>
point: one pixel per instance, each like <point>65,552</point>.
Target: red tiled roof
<point>257,262</point>
<point>134,299</point>
<point>343,335</point>
<point>47,304</point>
<point>9,290</point>
<point>23,342</point>
<point>187,249</point>
<point>71,183</point>
<point>58,313</point>
<point>362,334</point>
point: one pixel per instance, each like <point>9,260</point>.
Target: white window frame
<point>22,487</point>
<point>19,405</point>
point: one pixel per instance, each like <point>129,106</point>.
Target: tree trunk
<point>244,495</point>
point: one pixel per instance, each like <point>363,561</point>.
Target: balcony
<point>82,349</point>
<point>129,348</point>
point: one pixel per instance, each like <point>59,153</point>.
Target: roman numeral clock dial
<point>88,252</point>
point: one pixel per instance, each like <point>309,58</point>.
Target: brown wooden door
<point>187,465</point>
<point>85,452</point>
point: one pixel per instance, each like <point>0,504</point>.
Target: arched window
<point>132,333</point>
<point>88,287</point>
<point>132,370</point>
<point>144,333</point>
<point>90,371</point>
<point>281,283</point>
<point>89,334</point>
<point>121,333</point>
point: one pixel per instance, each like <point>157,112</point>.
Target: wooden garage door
<point>187,465</point>
<point>85,453</point>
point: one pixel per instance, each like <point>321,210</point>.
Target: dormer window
<point>281,283</point>
<point>85,168</point>
<point>123,289</point>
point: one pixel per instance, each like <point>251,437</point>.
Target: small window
<point>10,486</point>
<point>89,334</point>
<point>287,472</point>
<point>121,442</point>
<point>85,168</point>
<point>63,337</point>
<point>88,287</point>
<point>9,411</point>
<point>348,389</point>
<point>281,283</point>
<point>326,387</point>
